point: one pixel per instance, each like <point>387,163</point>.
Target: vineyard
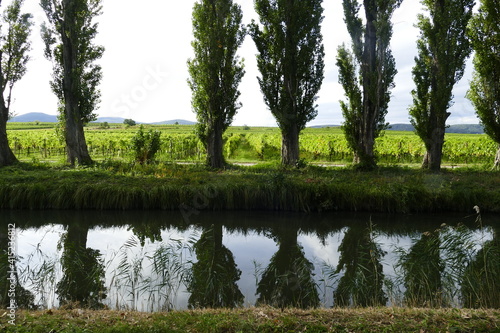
<point>179,143</point>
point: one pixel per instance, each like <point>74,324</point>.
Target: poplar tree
<point>14,48</point>
<point>484,92</point>
<point>367,74</point>
<point>68,35</point>
<point>443,47</point>
<point>290,61</point>
<point>215,71</point>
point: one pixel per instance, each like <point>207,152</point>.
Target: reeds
<point>122,186</point>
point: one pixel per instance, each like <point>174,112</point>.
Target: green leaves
<point>74,22</point>
<point>484,93</point>
<point>216,71</point>
<point>367,75</point>
<point>442,49</point>
<point>290,58</point>
<point>145,145</point>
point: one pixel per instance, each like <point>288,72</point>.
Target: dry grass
<point>259,320</point>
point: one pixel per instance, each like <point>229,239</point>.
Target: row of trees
<point>290,60</point>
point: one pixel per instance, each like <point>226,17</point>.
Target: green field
<point>40,142</point>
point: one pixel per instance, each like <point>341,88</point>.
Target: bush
<point>129,122</point>
<point>145,145</point>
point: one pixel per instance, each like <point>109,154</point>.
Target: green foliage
<point>70,25</point>
<point>145,145</point>
<point>129,122</point>
<point>290,62</point>
<point>216,71</point>
<point>442,49</point>
<point>367,75</point>
<point>255,145</point>
<point>14,48</point>
<point>484,93</point>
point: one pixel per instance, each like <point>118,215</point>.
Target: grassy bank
<point>259,320</point>
<point>124,186</point>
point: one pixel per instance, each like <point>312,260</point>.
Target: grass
<point>258,320</point>
<point>170,186</point>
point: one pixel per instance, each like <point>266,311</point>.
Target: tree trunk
<point>434,153</point>
<point>6,155</point>
<point>290,146</point>
<point>215,156</point>
<point>496,165</point>
<point>370,105</point>
<point>366,160</point>
<point>76,145</point>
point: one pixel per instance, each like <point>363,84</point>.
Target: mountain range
<point>46,118</point>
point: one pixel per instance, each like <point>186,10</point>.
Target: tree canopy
<point>367,74</point>
<point>216,71</point>
<point>484,92</point>
<point>68,35</point>
<point>290,61</point>
<point>14,49</point>
<point>443,47</point>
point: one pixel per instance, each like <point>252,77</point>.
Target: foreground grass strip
<point>258,320</point>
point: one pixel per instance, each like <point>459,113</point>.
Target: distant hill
<point>110,120</point>
<point>172,122</point>
<point>460,129</point>
<point>401,127</point>
<point>34,116</point>
<point>47,118</point>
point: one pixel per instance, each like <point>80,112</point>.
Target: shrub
<point>145,145</point>
<point>129,122</point>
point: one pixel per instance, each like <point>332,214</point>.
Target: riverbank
<point>257,320</point>
<point>192,188</point>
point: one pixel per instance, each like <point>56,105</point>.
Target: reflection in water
<point>481,280</point>
<point>451,266</point>
<point>362,282</point>
<point>83,278</point>
<point>287,281</point>
<point>23,298</point>
<point>214,275</point>
<point>422,268</point>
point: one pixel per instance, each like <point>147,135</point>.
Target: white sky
<point>145,72</point>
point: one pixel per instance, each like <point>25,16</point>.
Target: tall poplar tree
<point>290,61</point>
<point>443,47</point>
<point>215,71</point>
<point>68,38</point>
<point>14,47</point>
<point>484,92</point>
<point>367,75</point>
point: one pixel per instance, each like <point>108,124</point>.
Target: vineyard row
<point>392,148</point>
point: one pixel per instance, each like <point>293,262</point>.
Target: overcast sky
<point>145,72</point>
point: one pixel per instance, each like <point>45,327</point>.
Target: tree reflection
<point>422,268</point>
<point>287,281</point>
<point>83,278</point>
<point>362,282</point>
<point>481,280</point>
<point>8,274</point>
<point>213,279</point>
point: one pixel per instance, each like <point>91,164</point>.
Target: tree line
<point>290,60</point>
